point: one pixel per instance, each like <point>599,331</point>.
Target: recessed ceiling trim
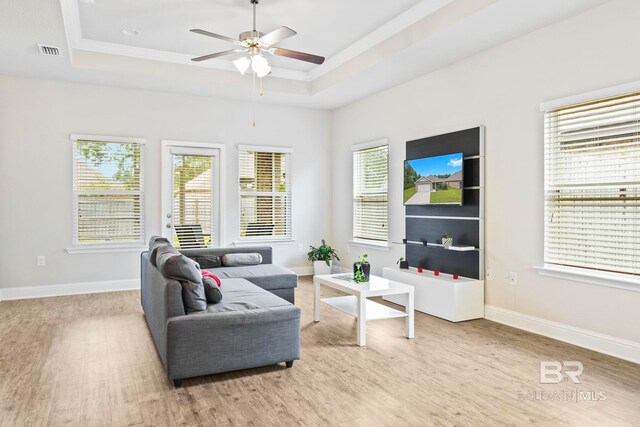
<point>397,24</point>
<point>176,58</point>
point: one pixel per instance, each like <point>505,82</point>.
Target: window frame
<point>288,152</point>
<point>127,246</point>
<point>359,241</point>
<point>611,279</point>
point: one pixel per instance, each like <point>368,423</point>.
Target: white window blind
<point>592,185</point>
<point>265,195</point>
<point>108,193</point>
<point>370,177</point>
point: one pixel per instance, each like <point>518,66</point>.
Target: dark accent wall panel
<point>434,258</point>
<point>422,222</point>
<point>465,141</point>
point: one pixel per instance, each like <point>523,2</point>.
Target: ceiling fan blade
<point>216,36</point>
<point>277,35</point>
<point>300,56</point>
<point>215,55</point>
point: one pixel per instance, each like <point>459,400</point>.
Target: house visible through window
<point>108,192</point>
<point>592,185</point>
<point>370,177</point>
<point>265,194</point>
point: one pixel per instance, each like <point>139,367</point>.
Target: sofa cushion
<point>267,276</point>
<point>174,265</point>
<point>211,290</point>
<point>241,295</point>
<point>156,242</point>
<point>237,260</point>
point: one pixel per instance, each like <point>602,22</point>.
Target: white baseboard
<point>607,344</point>
<point>302,271</point>
<point>68,289</point>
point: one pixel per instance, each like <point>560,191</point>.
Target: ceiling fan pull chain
<point>253,100</point>
<point>261,92</point>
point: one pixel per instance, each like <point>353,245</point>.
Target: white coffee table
<point>357,304</point>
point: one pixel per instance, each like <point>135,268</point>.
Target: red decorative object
<point>436,272</point>
<point>419,269</point>
<point>455,276</point>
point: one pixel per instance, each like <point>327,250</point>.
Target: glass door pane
<point>193,191</point>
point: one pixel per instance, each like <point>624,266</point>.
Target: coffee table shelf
<point>375,311</point>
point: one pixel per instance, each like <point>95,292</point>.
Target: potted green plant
<point>447,240</point>
<point>322,258</point>
<point>404,264</point>
<point>361,269</point>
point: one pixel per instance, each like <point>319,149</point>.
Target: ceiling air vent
<point>49,50</point>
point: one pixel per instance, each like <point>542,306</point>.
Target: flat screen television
<point>433,180</point>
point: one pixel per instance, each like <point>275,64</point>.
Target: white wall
<point>36,118</point>
<point>502,89</point>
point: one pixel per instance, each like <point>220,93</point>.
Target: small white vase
<point>321,267</point>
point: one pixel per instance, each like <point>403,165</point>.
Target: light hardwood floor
<point>89,360</point>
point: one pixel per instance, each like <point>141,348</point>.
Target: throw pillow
<point>211,290</point>
<point>210,275</point>
<point>237,260</point>
<point>154,243</point>
<point>208,261</point>
<point>173,265</point>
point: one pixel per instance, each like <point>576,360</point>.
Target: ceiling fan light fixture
<point>260,65</point>
<point>242,64</point>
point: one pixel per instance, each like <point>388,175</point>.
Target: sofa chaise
<point>254,325</point>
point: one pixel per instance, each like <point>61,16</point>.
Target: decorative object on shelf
<point>436,272</point>
<point>455,276</point>
<point>425,243</point>
<point>361,269</point>
<point>404,264</point>
<point>404,241</point>
<point>419,269</point>
<point>322,258</point>
<point>447,240</point>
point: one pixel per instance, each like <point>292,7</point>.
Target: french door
<point>191,176</point>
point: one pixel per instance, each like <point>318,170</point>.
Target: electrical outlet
<point>513,278</point>
<point>489,274</point>
<point>40,261</point>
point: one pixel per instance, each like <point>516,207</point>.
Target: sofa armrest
<point>161,300</point>
<point>265,251</point>
<point>207,343</point>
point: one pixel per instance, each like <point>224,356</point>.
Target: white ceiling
<point>369,45</point>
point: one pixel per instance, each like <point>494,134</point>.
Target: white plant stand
<point>443,296</point>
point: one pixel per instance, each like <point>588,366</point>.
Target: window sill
<point>599,278</point>
<point>260,242</point>
<point>105,249</point>
<point>382,246</point>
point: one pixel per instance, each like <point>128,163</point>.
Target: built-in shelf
<point>455,248</point>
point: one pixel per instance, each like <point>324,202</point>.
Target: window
<point>265,193</point>
<point>592,185</point>
<point>108,191</point>
<point>370,176</point>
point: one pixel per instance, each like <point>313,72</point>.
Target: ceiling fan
<point>256,43</point>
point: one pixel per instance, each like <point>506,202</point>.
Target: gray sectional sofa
<point>254,325</point>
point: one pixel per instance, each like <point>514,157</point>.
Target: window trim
<point>609,279</point>
<point>85,248</point>
<point>359,241</point>
<point>242,241</point>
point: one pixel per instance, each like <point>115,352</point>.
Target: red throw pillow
<point>206,273</point>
